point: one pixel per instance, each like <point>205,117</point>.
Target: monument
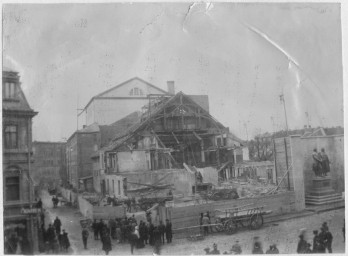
<point>321,192</point>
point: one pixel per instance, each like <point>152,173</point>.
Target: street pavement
<point>284,234</point>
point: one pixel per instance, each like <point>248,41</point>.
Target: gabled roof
<point>127,134</point>
<point>100,95</point>
<point>126,82</point>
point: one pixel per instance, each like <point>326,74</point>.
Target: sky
<point>242,55</point>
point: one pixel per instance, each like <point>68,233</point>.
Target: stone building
<point>18,193</point>
<point>49,163</point>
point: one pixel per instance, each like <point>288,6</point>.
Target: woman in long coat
<point>106,244</point>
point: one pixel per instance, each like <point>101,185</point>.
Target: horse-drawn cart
<point>230,220</point>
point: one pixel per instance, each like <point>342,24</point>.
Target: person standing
<point>66,242</point>
<point>106,243</point>
<point>236,248</point>
<point>157,241</point>
<point>328,239</point>
<point>85,235</point>
<point>169,232</point>
<point>162,230</point>
<point>302,245</point>
<point>146,232</point>
<point>215,250</point>
<point>57,224</point>
<point>95,228</point>
<point>151,234</point>
<point>205,223</point>
<point>316,242</point>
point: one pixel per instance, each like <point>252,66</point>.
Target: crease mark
<point>293,64</point>
<point>154,20</point>
<point>186,15</point>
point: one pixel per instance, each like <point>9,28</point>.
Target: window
<point>113,186</point>
<point>12,188</point>
<point>119,187</point>
<point>9,90</point>
<point>10,136</point>
<point>136,91</point>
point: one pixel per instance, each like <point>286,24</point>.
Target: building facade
<point>18,197</point>
<point>127,97</point>
<point>49,166</point>
<point>173,131</point>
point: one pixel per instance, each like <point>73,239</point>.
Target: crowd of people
<point>128,230</point>
<point>322,241</point>
<point>55,239</point>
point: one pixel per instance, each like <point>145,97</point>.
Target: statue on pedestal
<point>317,164</point>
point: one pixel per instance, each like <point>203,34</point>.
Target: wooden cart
<point>230,220</point>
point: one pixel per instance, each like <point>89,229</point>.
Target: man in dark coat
<point>51,235</point>
<point>66,241</point>
<point>169,232</point>
<point>146,232</point>
<point>95,227</point>
<point>157,241</point>
<point>85,235</point>
<point>328,239</point>
<point>106,244</point>
<point>57,224</point>
<point>100,227</point>
<point>316,242</point>
<point>272,249</point>
<point>133,240</point>
<point>215,250</point>
<point>302,245</point>
<point>162,230</point>
<point>151,233</point>
<point>322,240</point>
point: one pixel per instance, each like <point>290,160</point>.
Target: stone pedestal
<point>322,192</point>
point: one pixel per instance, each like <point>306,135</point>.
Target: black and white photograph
<point>173,128</point>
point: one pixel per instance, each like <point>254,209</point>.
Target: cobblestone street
<point>284,234</point>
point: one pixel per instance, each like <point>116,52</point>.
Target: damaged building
<point>172,131</point>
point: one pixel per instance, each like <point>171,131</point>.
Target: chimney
<point>171,87</point>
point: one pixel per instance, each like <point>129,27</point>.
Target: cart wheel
<point>256,221</point>
<point>230,227</point>
<point>218,225</point>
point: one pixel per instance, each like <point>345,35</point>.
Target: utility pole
<point>272,120</point>
<point>77,116</point>
<point>282,99</point>
<point>246,129</point>
<point>307,116</point>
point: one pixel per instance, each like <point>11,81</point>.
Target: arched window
<point>136,91</point>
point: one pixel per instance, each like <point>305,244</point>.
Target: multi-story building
<point>49,166</point>
<point>18,198</point>
<point>83,143</point>
<point>174,132</point>
<point>128,97</point>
